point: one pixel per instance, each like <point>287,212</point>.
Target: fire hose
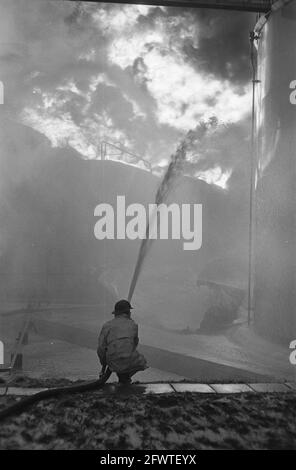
<point>21,406</point>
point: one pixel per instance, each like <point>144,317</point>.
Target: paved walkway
<point>64,341</point>
<point>158,388</point>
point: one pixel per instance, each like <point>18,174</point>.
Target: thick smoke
<point>82,73</point>
<point>223,49</point>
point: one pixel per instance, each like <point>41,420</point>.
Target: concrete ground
<point>135,388</point>
<point>60,349</point>
<point>168,308</point>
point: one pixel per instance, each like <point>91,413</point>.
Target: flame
<point>215,176</point>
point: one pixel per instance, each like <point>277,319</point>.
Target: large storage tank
<point>275,253</point>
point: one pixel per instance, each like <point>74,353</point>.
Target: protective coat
<point>118,341</point>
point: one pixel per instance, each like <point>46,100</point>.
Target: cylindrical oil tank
<point>275,151</point>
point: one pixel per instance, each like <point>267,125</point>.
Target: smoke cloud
<point>137,76</point>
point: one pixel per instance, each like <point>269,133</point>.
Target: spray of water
<point>193,155</point>
<point>173,171</point>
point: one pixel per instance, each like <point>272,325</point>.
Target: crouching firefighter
<point>117,348</point>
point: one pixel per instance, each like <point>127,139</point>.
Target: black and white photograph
<point>148,229</point>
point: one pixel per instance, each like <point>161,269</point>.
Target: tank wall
<point>275,253</point>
